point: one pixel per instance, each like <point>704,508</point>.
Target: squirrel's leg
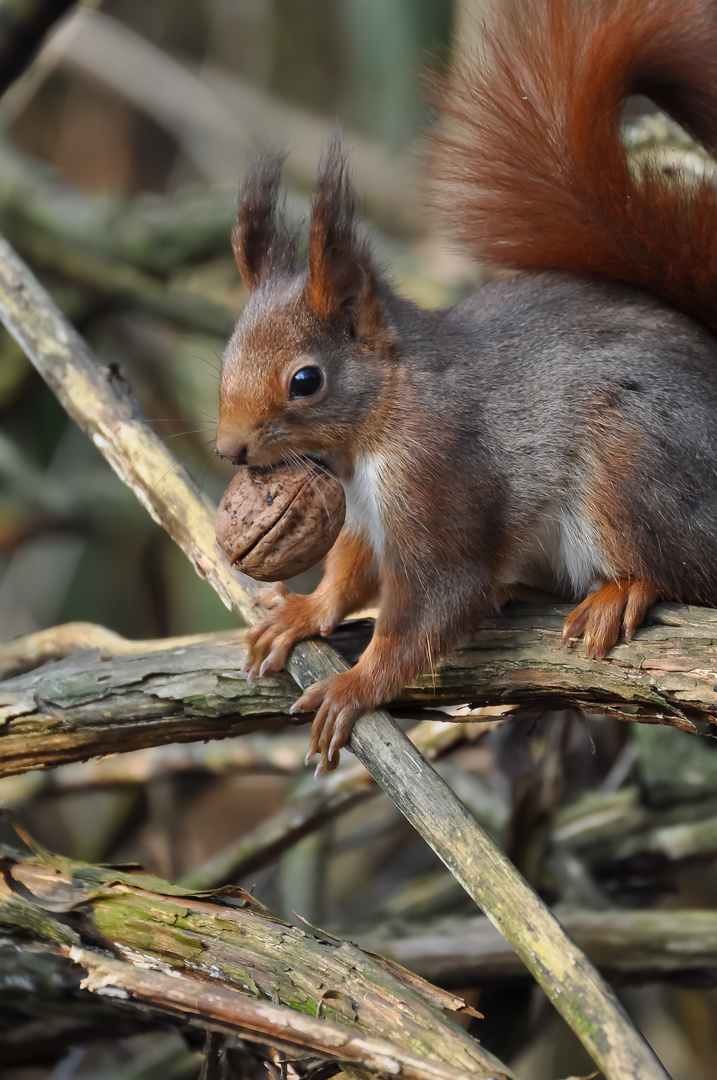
<point>620,603</point>
<point>348,583</point>
<point>407,638</point>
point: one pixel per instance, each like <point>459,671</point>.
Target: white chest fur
<point>565,551</point>
<point>364,501</point>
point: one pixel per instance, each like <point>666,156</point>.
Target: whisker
<point>195,431</point>
<point>310,469</point>
<point>200,415</point>
<point>199,448</point>
<point>210,365</point>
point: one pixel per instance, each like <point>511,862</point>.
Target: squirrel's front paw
<point>290,617</point>
<point>338,702</point>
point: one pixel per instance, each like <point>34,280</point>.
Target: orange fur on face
<point>254,383</point>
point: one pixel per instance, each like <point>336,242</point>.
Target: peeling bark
<point>103,701</point>
<point>146,941</point>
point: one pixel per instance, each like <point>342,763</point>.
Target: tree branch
<point>308,810</point>
<point>23,25</point>
<point>106,700</point>
<point>636,946</point>
<point>241,969</point>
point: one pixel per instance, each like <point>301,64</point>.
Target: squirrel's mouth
<point>309,461</point>
<point>317,459</point>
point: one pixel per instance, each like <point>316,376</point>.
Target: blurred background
<point>121,150</point>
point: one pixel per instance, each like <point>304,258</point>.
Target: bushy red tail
<point>532,173</point>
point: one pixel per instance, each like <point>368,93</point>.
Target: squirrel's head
<point>307,366</point>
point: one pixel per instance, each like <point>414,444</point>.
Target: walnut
<point>275,523</point>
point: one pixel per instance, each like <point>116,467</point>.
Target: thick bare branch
<point>240,968</point>
<point>106,700</point>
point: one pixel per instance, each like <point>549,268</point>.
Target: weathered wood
<point>262,752</point>
<point>105,700</point>
<point>83,706</point>
<point>99,401</point>
<point>23,25</point>
<point>241,967</point>
<point>667,674</point>
<point>605,829</point>
<point>40,211</point>
<point>571,983</point>
<point>309,809</point>
<point>58,642</point>
<point>42,991</point>
<point>634,946</point>
<point>263,1023</point>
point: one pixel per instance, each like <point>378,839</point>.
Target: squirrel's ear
<point>340,280</point>
<point>263,245</point>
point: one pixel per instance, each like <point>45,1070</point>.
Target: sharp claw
<point>334,746</point>
<point>309,754</point>
<point>295,708</point>
<point>319,769</point>
<point>265,666</point>
<point>245,668</point>
<point>250,676</point>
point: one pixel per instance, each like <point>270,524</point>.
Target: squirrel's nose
<point>232,452</point>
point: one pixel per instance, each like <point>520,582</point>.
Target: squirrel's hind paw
<point>621,603</point>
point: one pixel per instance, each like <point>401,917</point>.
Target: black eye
<point>306,382</point>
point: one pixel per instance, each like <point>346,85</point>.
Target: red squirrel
<point>558,428</point>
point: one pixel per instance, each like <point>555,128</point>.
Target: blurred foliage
<point>114,566</point>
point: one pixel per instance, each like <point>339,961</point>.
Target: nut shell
<point>275,523</point>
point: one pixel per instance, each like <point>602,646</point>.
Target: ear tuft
<point>262,242</point>
<point>340,272</point>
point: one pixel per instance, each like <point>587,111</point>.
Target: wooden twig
<point>219,118</point>
<point>223,965</point>
<point>57,642</point>
<point>126,285</point>
<point>635,946</point>
<point>211,1063</point>
<point>100,403</point>
<point>260,1022</point>
<point>79,709</point>
<point>23,25</point>
<point>38,976</point>
<point>282,755</point>
<point>613,828</point>
<point>149,232</point>
<point>308,810</point>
